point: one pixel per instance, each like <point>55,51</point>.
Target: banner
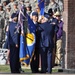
<point>41,6</point>
<point>3,56</point>
<point>27,37</point>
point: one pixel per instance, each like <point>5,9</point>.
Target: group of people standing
<point>47,26</point>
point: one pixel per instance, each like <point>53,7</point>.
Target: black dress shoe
<point>35,71</point>
<point>42,71</point>
<point>57,65</point>
<point>22,71</point>
<point>48,72</point>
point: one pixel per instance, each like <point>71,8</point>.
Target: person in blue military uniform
<point>54,22</point>
<point>35,59</point>
<point>46,44</point>
<point>13,45</point>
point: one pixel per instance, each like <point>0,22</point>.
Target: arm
<point>60,30</point>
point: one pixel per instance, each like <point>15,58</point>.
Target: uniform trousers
<point>14,60</point>
<point>35,61</point>
<point>46,59</point>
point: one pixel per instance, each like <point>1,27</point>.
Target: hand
<point>34,57</point>
<point>16,45</point>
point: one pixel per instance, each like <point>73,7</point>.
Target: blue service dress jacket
<point>13,35</point>
<point>47,31</point>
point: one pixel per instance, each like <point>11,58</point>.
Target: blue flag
<point>27,39</point>
<point>30,41</point>
<point>41,6</point>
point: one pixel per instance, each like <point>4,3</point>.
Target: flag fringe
<point>24,58</point>
<point>24,64</point>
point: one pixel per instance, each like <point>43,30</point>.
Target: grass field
<point>6,69</point>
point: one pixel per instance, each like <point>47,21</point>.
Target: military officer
<point>2,14</point>
<point>4,4</point>
<point>22,1</point>
<point>60,3</point>
<point>7,15</point>
<point>46,5</point>
<point>46,44</point>
<point>15,7</point>
<point>35,60</point>
<point>2,23</point>
<point>54,6</point>
<point>28,8</point>
<point>11,3</point>
<point>27,1</point>
<point>33,4</point>
<point>54,22</point>
<point>13,45</point>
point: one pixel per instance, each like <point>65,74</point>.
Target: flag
<point>30,41</point>
<point>41,6</point>
<point>23,52</point>
<point>21,19</point>
<point>27,39</point>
